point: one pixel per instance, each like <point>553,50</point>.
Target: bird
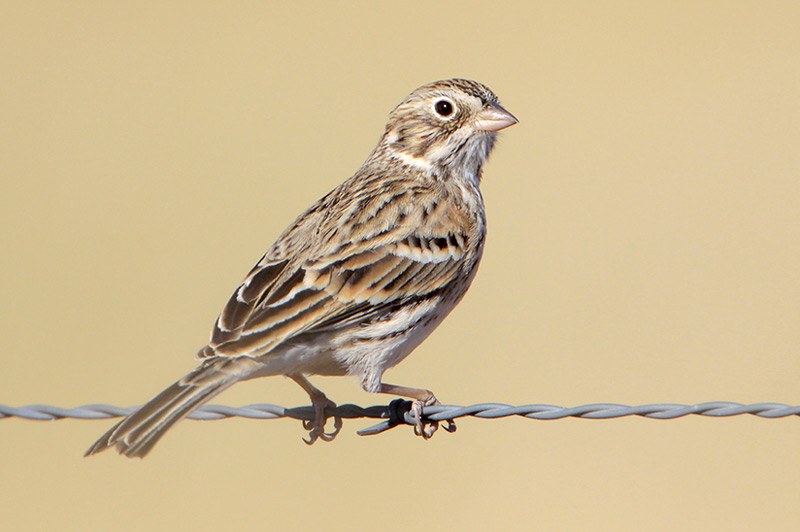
<point>360,278</point>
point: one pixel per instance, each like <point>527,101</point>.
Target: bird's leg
<point>316,428</point>
<point>421,398</point>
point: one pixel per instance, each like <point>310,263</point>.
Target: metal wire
<point>398,412</point>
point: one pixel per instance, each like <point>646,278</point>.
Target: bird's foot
<point>316,428</point>
<point>425,427</point>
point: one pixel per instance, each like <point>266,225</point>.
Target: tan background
<point>644,247</point>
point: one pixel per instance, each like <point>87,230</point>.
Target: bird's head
<point>447,127</point>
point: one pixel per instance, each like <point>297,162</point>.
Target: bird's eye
<point>443,108</point>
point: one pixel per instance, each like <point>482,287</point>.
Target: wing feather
<point>241,304</point>
<point>346,281</point>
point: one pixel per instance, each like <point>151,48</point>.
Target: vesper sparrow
<point>360,278</point>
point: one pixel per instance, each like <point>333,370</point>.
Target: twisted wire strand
<point>398,412</point>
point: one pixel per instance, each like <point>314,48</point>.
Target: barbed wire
<point>398,412</point>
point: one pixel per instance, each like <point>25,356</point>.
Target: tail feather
<point>136,435</point>
<point>160,412</point>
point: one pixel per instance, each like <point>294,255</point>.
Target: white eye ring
<point>445,108</point>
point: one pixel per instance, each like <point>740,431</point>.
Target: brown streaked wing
<point>241,304</point>
<point>383,294</point>
<point>348,280</point>
<point>310,301</point>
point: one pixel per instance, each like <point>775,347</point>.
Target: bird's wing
<point>362,270</point>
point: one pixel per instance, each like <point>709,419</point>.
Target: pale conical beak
<point>494,118</point>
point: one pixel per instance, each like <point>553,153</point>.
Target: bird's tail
<point>136,435</point>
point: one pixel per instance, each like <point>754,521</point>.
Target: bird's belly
<point>362,350</point>
<point>303,358</point>
<point>370,349</point>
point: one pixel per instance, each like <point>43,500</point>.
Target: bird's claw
<point>318,433</point>
<point>316,427</point>
<point>425,427</point>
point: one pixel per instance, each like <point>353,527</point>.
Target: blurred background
<point>644,246</point>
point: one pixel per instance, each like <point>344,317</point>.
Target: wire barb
<point>398,412</point>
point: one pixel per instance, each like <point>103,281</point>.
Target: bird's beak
<point>494,118</point>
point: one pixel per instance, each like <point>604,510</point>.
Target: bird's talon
<point>316,428</point>
<point>337,426</point>
<point>316,434</point>
<point>430,429</point>
<point>422,427</point>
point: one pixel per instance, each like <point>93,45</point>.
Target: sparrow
<point>359,279</point>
